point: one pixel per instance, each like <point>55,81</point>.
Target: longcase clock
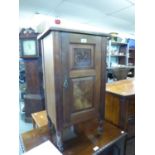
<point>30,53</point>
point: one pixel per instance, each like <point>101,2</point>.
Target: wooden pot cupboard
<point>74,69</point>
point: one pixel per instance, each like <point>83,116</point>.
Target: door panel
<point>82,93</point>
<point>81,56</point>
<point>81,61</point>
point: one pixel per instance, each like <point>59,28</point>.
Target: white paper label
<point>95,148</point>
<point>83,40</point>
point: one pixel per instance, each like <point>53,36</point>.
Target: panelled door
<point>81,65</point>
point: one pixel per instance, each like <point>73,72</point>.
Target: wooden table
<point>120,105</point>
<point>39,119</point>
<point>111,140</point>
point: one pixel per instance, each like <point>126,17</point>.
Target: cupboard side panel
<point>49,78</point>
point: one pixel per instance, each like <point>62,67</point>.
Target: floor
<point>23,126</point>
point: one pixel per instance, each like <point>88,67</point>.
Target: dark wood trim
<point>72,31</point>
<point>28,33</point>
<point>58,78</point>
<point>65,71</point>
<point>43,70</point>
<point>103,78</point>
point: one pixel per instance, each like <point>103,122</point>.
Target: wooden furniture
<point>34,96</point>
<point>39,119</point>
<point>131,57</point>
<point>74,77</point>
<point>131,60</point>
<point>120,105</point>
<point>110,142</point>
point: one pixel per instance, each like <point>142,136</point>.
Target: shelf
<point>118,55</point>
<point>118,43</point>
<point>131,49</point>
<point>121,66</point>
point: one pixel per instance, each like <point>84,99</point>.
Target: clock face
<point>29,47</point>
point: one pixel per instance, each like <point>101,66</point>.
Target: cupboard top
<point>46,32</point>
<point>122,87</point>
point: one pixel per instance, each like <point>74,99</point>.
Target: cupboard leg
<point>49,122</point>
<point>59,141</point>
<point>100,127</point>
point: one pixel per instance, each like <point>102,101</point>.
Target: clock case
<point>28,35</point>
<point>34,93</point>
